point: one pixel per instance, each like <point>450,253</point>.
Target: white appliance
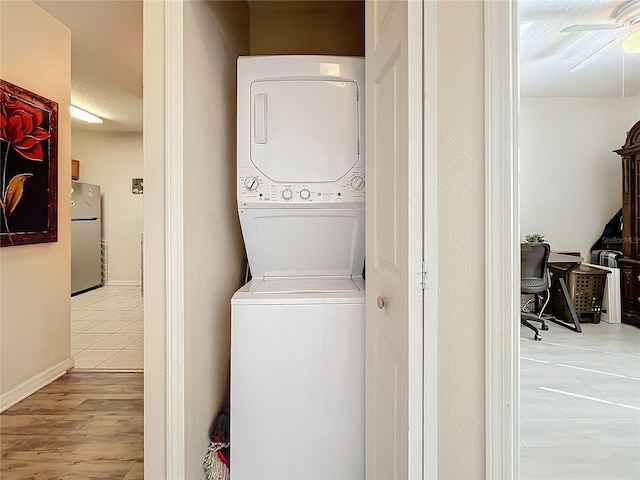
<point>297,329</point>
<point>86,233</point>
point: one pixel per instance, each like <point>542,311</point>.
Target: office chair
<point>535,279</point>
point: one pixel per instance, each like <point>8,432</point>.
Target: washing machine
<point>298,327</point>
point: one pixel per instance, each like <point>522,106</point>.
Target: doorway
<point>106,80</point>
<point>573,384</point>
<point>188,385</point>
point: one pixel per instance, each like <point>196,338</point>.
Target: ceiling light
<point>84,116</point>
<point>632,43</point>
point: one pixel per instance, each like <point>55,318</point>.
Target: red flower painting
<point>20,127</point>
<point>28,152</point>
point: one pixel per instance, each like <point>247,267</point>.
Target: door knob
<point>381,301</point>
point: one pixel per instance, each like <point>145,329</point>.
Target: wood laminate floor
<point>83,426</point>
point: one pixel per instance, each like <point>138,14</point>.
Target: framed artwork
<point>28,167</point>
<point>136,186</point>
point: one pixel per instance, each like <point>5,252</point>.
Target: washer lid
<point>304,131</point>
<point>304,242</point>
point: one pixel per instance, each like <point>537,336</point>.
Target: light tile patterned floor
<point>107,329</point>
<point>580,403</point>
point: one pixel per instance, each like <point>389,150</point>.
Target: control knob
<point>305,194</point>
<point>251,183</point>
<point>357,182</point>
<point>287,194</point>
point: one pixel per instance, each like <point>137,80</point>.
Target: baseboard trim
<point>34,384</point>
<point>123,283</point>
<point>106,370</point>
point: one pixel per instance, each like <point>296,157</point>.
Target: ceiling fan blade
<point>589,27</point>
<point>594,56</point>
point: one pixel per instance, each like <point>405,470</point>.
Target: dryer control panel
<point>300,133</point>
<point>254,188</point>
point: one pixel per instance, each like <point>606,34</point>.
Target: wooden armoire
<point>630,262</point>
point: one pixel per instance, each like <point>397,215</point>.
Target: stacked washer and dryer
<point>298,327</point>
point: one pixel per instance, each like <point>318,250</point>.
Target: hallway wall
<point>35,280</point>
<point>461,245</point>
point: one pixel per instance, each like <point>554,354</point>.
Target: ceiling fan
<point>627,17</point>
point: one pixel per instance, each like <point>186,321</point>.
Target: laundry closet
<point>298,327</point>
<point>215,35</point>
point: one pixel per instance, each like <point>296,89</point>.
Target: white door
<point>394,239</point>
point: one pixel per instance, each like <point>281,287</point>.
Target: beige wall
<point>307,31</point>
<point>461,323</point>
<point>215,34</point>
<point>35,280</point>
<point>112,160</point>
<point>570,178</point>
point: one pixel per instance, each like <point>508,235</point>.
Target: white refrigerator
<point>86,233</point>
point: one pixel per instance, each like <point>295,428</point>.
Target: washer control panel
<point>256,188</point>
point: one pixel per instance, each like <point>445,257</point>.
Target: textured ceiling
<point>106,60</point>
<point>106,53</point>
<point>547,54</point>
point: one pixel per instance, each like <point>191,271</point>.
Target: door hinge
<point>423,276</point>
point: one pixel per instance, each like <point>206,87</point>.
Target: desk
<point>565,263</point>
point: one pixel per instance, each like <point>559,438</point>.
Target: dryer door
<point>304,131</point>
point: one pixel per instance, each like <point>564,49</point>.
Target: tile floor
<point>580,403</point>
<point>107,329</point>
